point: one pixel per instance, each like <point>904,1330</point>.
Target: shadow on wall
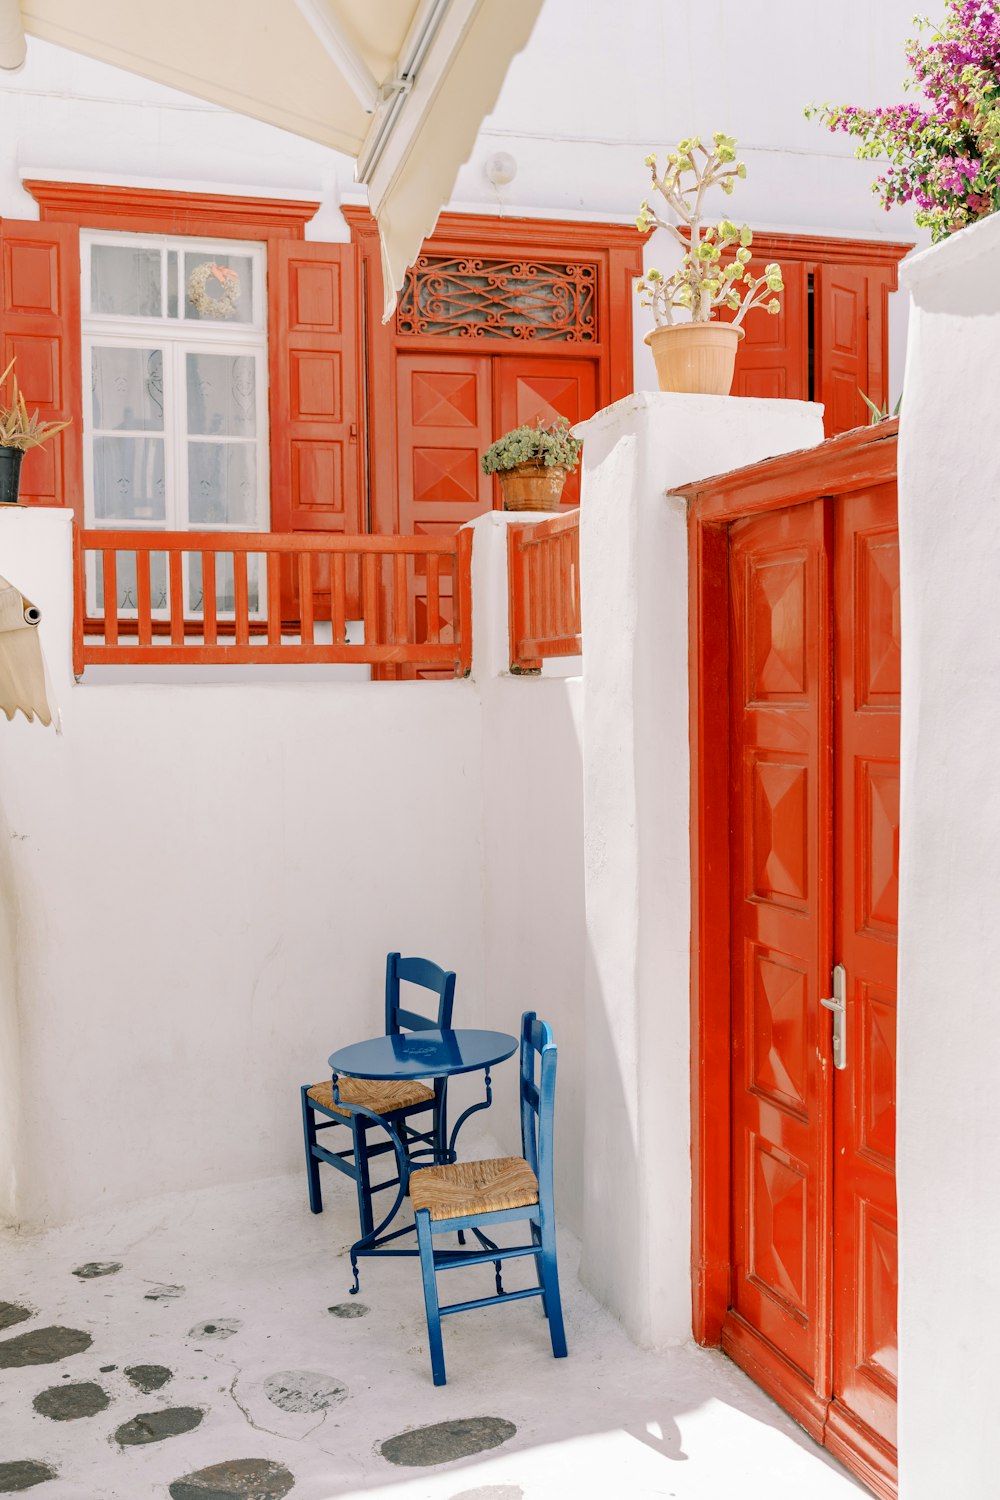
<point>10,1038</point>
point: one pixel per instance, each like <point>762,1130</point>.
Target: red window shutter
<point>842,371</point>
<point>40,325</point>
<point>315,364</point>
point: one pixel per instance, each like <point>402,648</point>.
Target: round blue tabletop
<point>423,1054</point>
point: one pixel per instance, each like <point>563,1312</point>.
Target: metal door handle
<point>837,1002</point>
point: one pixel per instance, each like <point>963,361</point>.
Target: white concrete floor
<point>609,1421</point>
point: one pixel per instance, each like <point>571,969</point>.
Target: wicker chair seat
<point>474,1187</point>
<point>382,1096</point>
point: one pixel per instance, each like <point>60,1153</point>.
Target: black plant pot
<point>10,475</point>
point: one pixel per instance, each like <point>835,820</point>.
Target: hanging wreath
<point>222,303</point>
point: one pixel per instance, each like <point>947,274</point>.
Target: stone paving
<point>207,1350</point>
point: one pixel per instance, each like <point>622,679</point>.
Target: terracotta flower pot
<point>532,486</point>
<point>695,357</point>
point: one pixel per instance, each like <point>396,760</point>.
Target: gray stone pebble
<point>443,1442</point>
<point>42,1346</point>
<point>154,1426</point>
<point>239,1479</point>
<point>65,1403</point>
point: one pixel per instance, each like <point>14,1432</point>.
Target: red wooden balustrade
<point>543,572</point>
<point>210,597</point>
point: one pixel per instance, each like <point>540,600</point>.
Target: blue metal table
<point>405,1057</point>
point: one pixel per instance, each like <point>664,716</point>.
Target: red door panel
<point>543,389</point>
<point>867,862</point>
<point>780,934</point>
<point>40,324</point>
<point>841,294</point>
<point>445,426</point>
<point>773,356</point>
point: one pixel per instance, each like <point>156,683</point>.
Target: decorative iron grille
<point>469,297</point>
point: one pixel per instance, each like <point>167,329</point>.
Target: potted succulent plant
<point>532,464</point>
<point>19,431</point>
<point>699,354</point>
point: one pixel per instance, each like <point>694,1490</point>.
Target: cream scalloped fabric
<point>22,671</point>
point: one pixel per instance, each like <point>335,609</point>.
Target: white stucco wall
<point>948,1122</point>
<point>597,87</point>
<point>534,931</point>
<point>201,879</point>
<point>637,861</point>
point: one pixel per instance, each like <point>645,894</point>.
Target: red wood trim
<point>248,653</point>
<point>829,248</point>
<point>463,613</point>
<point>96,539</point>
<point>769,1369</point>
<point>867,455</point>
<point>79,601</point>
<point>862,1451</point>
<point>457,231</point>
<point>161,211</point>
<point>710,914</point>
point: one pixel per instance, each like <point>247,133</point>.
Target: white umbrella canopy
<point>401,85</point>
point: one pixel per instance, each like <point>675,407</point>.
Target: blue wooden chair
<point>478,1194</point>
<point>398,1103</point>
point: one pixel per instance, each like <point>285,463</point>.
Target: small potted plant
<point>19,431</point>
<point>699,354</point>
<point>532,464</point>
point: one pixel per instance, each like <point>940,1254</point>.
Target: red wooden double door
<point>814,802</point>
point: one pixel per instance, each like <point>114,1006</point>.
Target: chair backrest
<point>538,1098</point>
<point>440,982</point>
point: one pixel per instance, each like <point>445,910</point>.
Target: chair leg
<point>425,1241</point>
<point>312,1162</point>
<point>360,1131</point>
<point>536,1239</point>
<point>550,1281</point>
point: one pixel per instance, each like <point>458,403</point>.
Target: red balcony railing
<point>543,572</point>
<point>200,597</point>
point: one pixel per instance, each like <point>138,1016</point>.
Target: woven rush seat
<point>382,1096</point>
<point>474,1187</point>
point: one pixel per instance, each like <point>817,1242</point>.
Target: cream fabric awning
<point>401,85</point>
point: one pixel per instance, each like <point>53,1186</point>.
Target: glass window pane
<point>222,484</point>
<point>225,583</point>
<point>218,289</point>
<point>125,280</point>
<point>222,394</point>
<point>128,479</point>
<point>125,575</point>
<point>172,311</point>
<point>128,389</point>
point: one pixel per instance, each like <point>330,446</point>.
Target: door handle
<point>837,1002</point>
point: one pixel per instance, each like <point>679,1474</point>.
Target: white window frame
<point>177,337</point>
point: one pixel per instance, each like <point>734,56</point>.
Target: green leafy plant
<point>18,428</point>
<point>549,444</point>
<point>706,279</point>
<point>879,413</point>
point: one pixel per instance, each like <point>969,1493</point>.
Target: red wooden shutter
<point>842,372</point>
<point>40,325</point>
<point>315,363</point>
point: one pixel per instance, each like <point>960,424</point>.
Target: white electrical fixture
<point>501,169</point>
